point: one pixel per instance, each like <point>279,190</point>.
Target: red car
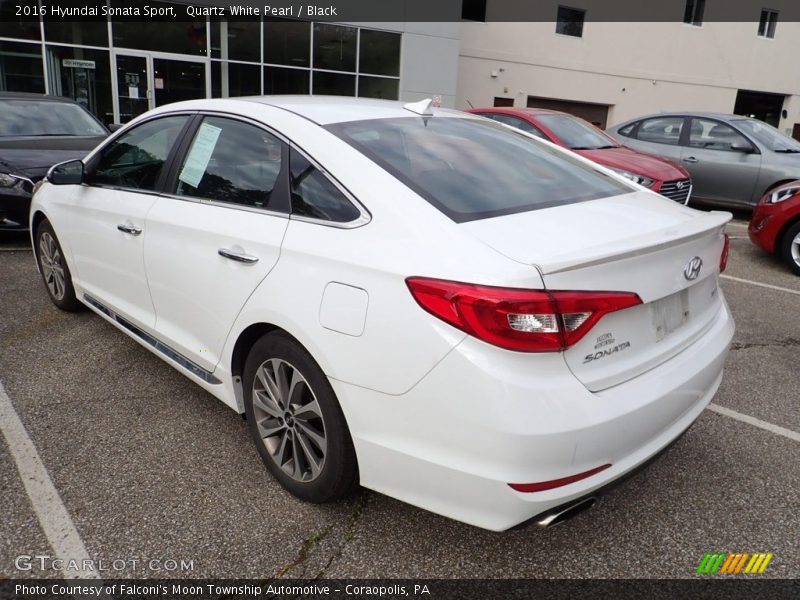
<point>660,175</point>
<point>775,225</point>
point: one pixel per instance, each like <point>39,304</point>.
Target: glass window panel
<point>287,42</point>
<point>181,37</point>
<point>661,130</point>
<point>242,80</point>
<point>47,117</point>
<point>334,84</point>
<point>24,26</point>
<point>135,160</point>
<point>83,75</point>
<point>177,80</point>
<point>378,87</point>
<point>379,53</point>
<point>713,135</point>
<point>21,68</point>
<point>243,167</point>
<point>474,168</point>
<point>569,21</point>
<point>518,123</point>
<point>285,81</point>
<point>334,47</point>
<point>242,41</point>
<point>83,33</point>
<point>316,196</point>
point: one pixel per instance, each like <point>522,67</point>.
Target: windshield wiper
<point>787,150</point>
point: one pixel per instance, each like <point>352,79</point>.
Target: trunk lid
<point>638,243</point>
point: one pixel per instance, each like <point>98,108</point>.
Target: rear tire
<point>790,247</point>
<point>54,269</point>
<point>296,422</point>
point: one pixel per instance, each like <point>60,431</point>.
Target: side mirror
<point>115,127</point>
<point>66,173</point>
<point>745,147</point>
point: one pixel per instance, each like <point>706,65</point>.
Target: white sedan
<point>417,300</point>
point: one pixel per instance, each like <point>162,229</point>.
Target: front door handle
<point>238,256</point>
<point>690,159</point>
<point>132,229</point>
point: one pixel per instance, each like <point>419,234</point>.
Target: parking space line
<point>44,498</point>
<point>771,427</point>
<point>759,284</point>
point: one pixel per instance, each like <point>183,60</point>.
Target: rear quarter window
<point>473,169</point>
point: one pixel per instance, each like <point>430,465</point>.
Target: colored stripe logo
<point>734,563</point>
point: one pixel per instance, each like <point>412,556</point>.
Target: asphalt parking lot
<point>151,468</point>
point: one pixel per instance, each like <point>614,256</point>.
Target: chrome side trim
<point>167,351</point>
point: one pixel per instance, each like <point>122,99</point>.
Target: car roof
<point>521,110</point>
<point>325,110</point>
<point>30,96</point>
<point>710,115</point>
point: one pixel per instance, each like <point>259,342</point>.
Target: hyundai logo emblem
<point>692,269</point>
<point>680,185</point>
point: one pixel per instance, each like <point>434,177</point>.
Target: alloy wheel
<point>52,266</point>
<point>794,248</point>
<point>289,420</point>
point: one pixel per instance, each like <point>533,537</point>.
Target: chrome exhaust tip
<point>565,512</point>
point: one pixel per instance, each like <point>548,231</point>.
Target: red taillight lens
<point>726,248</point>
<point>517,319</point>
<point>554,483</point>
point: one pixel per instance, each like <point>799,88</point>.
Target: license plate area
<point>670,313</point>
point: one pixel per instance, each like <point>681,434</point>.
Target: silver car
<point>733,160</point>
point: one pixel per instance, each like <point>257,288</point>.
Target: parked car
<point>733,160</point>
<point>665,177</point>
<point>434,305</point>
<point>775,225</point>
<point>37,132</point>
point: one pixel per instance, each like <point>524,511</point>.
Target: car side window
<point>315,196</point>
<point>135,160</point>
<point>661,130</point>
<point>628,129</point>
<point>231,161</point>
<point>714,135</point>
<point>518,123</point>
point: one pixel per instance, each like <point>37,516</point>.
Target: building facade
<point>120,68</point>
<point>608,72</point>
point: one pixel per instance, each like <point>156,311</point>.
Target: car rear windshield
<point>46,118</point>
<point>576,133</point>
<point>476,169</point>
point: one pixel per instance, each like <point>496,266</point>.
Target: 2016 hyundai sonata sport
<point>420,301</point>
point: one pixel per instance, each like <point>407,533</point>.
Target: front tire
<point>790,247</point>
<point>54,269</point>
<point>296,422</point>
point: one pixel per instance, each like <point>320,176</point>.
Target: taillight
<point>726,248</point>
<point>517,319</point>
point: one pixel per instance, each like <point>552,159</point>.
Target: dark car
<point>37,132</point>
<point>665,177</point>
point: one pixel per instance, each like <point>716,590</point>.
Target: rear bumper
<point>485,417</point>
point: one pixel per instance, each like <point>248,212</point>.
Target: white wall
<point>637,68</point>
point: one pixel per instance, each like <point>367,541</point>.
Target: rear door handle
<point>132,229</point>
<point>690,159</point>
<point>238,256</point>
